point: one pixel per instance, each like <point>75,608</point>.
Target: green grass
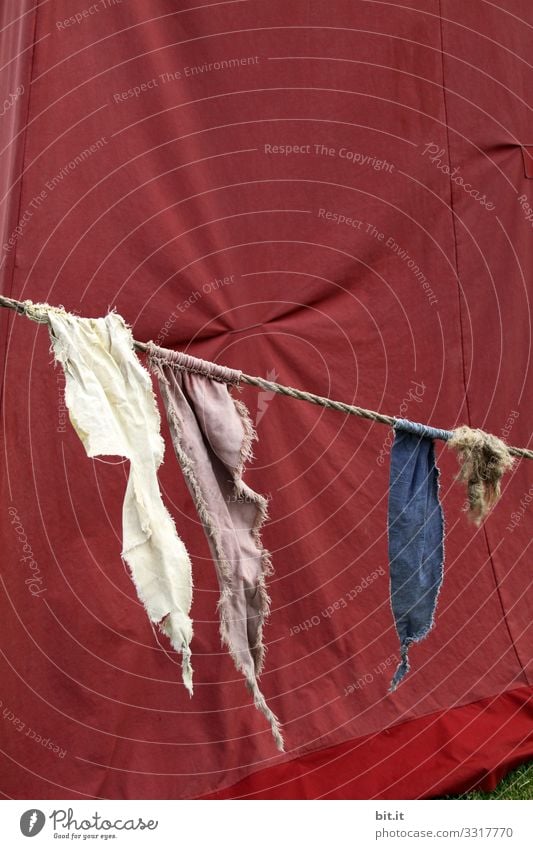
<point>517,785</point>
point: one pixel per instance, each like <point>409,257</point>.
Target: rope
<point>300,395</point>
<point>23,308</point>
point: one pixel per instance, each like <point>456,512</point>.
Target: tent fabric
<point>330,195</point>
<point>455,751</point>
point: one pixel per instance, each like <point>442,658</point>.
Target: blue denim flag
<point>416,534</point>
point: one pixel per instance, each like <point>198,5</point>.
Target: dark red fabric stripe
<point>449,752</point>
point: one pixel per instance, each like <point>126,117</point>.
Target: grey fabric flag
<point>416,535</point>
<point>212,436</point>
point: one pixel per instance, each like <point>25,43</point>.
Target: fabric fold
<point>112,407</point>
<point>212,435</point>
<point>415,535</point>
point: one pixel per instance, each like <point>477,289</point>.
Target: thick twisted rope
<point>22,307</point>
<point>300,395</point>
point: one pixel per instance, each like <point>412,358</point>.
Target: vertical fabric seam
<point>10,283</point>
<point>461,331</point>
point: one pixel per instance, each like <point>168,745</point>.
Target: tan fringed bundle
<point>484,460</point>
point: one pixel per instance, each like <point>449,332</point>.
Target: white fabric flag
<point>113,409</point>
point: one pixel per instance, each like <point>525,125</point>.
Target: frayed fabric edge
<point>261,705</point>
<point>170,627</point>
<point>223,609</point>
<point>404,666</point>
<point>175,624</point>
<point>402,669</point>
<point>259,650</point>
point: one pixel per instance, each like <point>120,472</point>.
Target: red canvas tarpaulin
<point>334,195</point>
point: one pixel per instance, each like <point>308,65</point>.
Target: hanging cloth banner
<point>212,435</point>
<point>113,410</point>
<point>416,535</point>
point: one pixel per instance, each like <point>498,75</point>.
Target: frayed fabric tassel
<point>186,668</point>
<point>484,460</point>
<point>402,669</point>
<point>261,705</point>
